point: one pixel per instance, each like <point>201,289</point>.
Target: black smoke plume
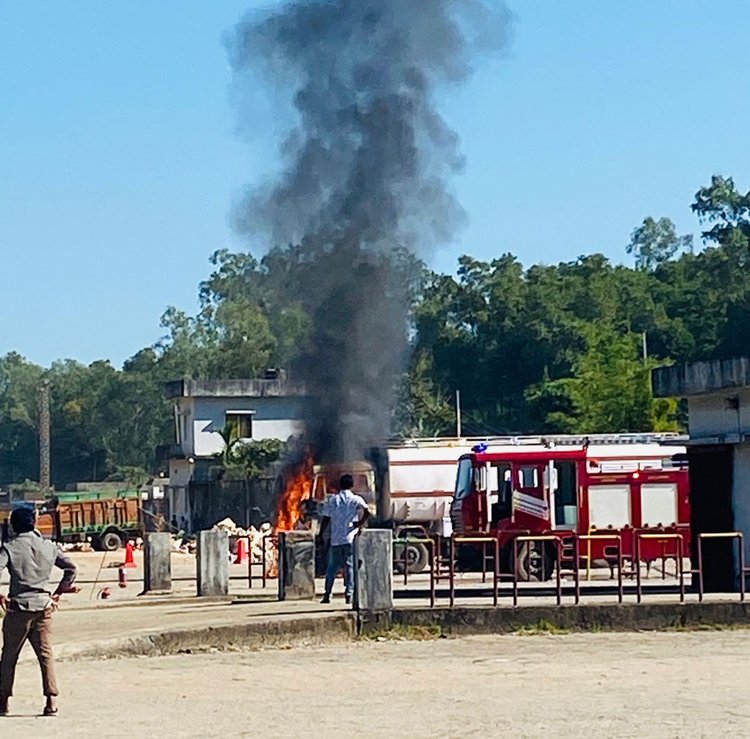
<point>364,179</point>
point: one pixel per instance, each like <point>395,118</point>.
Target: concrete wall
<point>699,378</point>
<point>180,471</point>
<point>256,388</point>
<point>274,418</point>
<point>741,494</point>
<point>710,415</point>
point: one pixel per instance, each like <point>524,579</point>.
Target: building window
<point>242,422</point>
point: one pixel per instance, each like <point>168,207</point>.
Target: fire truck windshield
<point>464,478</point>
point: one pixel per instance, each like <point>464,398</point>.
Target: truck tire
<point>417,557</point>
<point>535,563</point>
<point>111,541</point>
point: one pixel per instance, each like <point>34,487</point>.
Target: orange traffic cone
<point>129,561</point>
<point>241,552</point>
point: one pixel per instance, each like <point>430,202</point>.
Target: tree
<point>19,380</point>
<point>656,242</point>
<point>423,409</point>
<point>248,459</point>
<point>610,390</point>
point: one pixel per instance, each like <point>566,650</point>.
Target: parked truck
<point>623,485</point>
<point>107,519</point>
<point>408,486</point>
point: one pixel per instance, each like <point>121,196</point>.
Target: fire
<point>298,489</point>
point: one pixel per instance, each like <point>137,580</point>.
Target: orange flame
<point>298,489</point>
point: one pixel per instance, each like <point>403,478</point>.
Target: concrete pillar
<point>213,563</point>
<point>296,565</point>
<point>157,563</point>
<point>373,570</point>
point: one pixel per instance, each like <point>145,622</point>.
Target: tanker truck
<point>408,486</point>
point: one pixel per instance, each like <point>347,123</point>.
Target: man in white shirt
<point>348,513</point>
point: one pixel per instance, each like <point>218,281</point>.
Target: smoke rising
<point>365,173</point>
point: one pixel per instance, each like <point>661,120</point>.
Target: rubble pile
<point>180,545</point>
<point>78,546</point>
<point>255,538</point>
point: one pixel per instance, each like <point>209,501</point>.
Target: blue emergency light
<point>479,448</point>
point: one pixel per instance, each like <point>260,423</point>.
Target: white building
<point>259,409</point>
<point>718,397</point>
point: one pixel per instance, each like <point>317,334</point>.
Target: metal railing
<point>589,538</point>
<point>544,538</point>
<point>269,540</point>
<point>404,559</point>
<point>673,546</point>
<point>484,541</point>
<point>742,569</point>
<point>663,537</point>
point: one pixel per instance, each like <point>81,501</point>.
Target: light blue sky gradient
<point>119,159</point>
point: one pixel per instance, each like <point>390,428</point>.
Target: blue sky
<point>119,159</point>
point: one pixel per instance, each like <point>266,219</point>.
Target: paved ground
<point>85,618</point>
<point>98,571</point>
<point>613,685</point>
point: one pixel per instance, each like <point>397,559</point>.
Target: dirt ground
<point>578,685</point>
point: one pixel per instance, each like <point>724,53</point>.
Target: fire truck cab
<point>570,486</point>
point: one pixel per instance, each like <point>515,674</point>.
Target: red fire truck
<point>566,486</point>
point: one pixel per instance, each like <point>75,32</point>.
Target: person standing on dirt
<point>30,604</point>
<point>348,513</point>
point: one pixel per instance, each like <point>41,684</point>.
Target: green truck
<point>108,519</point>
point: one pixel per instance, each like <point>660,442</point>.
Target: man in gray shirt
<point>30,604</point>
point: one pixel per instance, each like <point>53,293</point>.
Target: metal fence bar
<point>484,540</point>
<point>249,564</point>
<point>618,542</point>
<point>662,537</point>
<point>268,538</point>
<point>558,580</point>
<point>431,547</point>
<point>740,558</point>
<point>438,555</point>
<point>576,570</point>
<point>405,561</point>
<point>262,564</point>
<point>452,572</point>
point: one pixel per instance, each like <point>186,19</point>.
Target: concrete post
<point>157,563</point>
<point>373,570</point>
<point>296,565</point>
<point>213,563</point>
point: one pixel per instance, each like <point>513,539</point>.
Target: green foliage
<point>656,242</point>
<point>532,349</point>
<point>423,410</point>
<point>134,477</point>
<point>248,459</point>
<point>610,390</point>
<point>255,457</point>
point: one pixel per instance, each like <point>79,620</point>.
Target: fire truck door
<point>530,500</point>
<point>550,491</point>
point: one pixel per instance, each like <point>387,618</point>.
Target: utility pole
<point>458,414</point>
<point>44,437</point>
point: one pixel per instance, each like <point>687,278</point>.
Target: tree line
<point>545,348</point>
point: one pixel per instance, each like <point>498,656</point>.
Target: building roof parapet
<point>701,378</point>
<point>276,388</point>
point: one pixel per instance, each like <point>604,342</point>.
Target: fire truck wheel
<point>111,541</point>
<point>417,557</point>
<point>535,562</point>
